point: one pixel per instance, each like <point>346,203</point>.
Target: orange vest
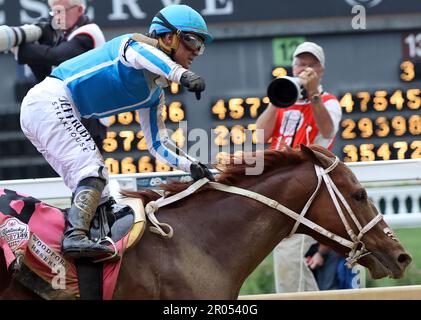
<point>296,125</point>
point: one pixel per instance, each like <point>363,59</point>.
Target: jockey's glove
<point>193,83</point>
<point>199,171</point>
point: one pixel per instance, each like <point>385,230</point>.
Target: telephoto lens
<point>13,36</point>
<point>283,92</point>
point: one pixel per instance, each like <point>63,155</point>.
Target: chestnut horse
<point>220,236</point>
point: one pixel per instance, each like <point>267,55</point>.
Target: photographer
<point>312,120</point>
<point>67,33</point>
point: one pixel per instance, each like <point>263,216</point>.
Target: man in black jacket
<point>66,33</point>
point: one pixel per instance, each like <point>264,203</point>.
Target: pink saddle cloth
<point>32,231</point>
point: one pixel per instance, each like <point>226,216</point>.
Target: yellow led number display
<point>125,149</point>
<point>239,108</point>
<point>381,125</point>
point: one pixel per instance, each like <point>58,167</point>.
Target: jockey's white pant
<point>291,271</point>
<point>51,122</point>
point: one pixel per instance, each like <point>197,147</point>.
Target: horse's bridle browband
<point>358,249</point>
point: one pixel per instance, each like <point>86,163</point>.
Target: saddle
<point>31,233</point>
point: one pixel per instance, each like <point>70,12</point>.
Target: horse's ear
<point>316,156</point>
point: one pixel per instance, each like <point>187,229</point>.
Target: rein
<point>356,246</point>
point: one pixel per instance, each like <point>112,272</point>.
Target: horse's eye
<point>361,195</point>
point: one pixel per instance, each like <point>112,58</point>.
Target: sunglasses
<point>192,42</point>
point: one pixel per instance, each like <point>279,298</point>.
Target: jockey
<point>125,74</point>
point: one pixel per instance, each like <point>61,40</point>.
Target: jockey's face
<point>66,15</point>
<point>184,55</point>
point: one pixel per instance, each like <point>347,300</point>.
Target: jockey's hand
<point>199,171</point>
<point>193,83</point>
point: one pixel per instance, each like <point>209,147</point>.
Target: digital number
<point>219,109</point>
<point>416,146</point>
<point>415,125</point>
<point>176,112</point>
<point>347,102</point>
<point>414,98</point>
<point>174,88</point>
<point>414,45</point>
<point>402,149</point>
<point>351,152</point>
<point>366,127</point>
<point>141,145</point>
<point>383,127</point>
<point>162,167</point>
<point>127,166</point>
<point>397,99</point>
<point>399,124</point>
<point>279,72</point>
<point>380,101</point>
<point>365,99</point>
<point>236,108</point>
<point>238,136</point>
<point>222,134</point>
<point>112,165</point>
<point>254,106</point>
<point>370,152</point>
<point>145,165</point>
<point>128,137</point>
<point>110,143</point>
<point>384,151</point>
<point>408,71</point>
<point>179,138</point>
<point>253,128</point>
<point>366,152</point>
<point>349,126</point>
<point>125,118</point>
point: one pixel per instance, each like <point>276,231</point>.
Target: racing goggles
<point>192,41</point>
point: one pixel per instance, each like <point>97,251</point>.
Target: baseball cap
<point>312,48</point>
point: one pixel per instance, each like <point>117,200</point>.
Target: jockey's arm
<point>144,56</point>
<point>157,139</point>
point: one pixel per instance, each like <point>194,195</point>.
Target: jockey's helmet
<point>180,19</point>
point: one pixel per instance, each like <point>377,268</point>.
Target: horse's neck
<point>247,230</point>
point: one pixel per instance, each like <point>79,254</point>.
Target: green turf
<point>261,281</point>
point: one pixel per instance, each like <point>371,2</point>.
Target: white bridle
<point>356,246</point>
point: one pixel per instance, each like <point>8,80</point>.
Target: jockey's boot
<point>76,243</point>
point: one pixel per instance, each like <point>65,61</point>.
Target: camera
<point>13,36</point>
<point>283,92</point>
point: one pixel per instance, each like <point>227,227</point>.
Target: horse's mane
<point>234,169</point>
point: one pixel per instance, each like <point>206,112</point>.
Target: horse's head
<point>364,236</point>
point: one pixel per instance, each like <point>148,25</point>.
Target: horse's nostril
<point>404,258</point>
